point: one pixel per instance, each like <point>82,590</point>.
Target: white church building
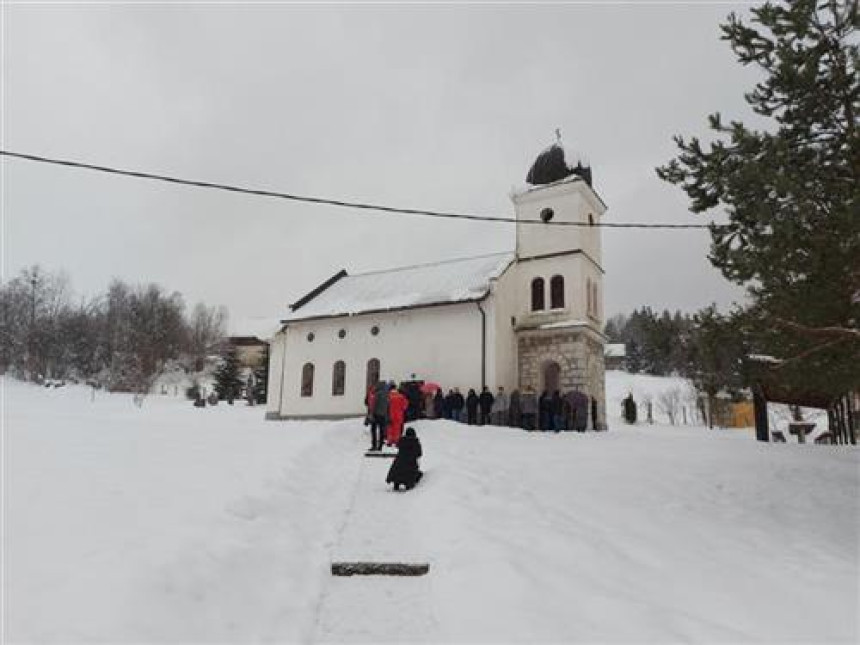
<point>529,317</point>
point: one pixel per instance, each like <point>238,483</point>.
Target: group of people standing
<point>549,411</point>
<point>386,414</point>
<point>389,407</point>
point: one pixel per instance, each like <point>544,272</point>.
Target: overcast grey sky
<point>438,107</point>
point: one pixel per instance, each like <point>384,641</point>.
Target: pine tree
<point>261,379</point>
<point>227,381</point>
<point>715,353</point>
<point>791,192</point>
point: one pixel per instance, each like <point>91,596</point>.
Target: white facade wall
<point>573,268</point>
<point>441,344</point>
<point>501,336</point>
<point>276,369</point>
<point>571,201</point>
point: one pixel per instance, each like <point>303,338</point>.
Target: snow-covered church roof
<point>461,280</point>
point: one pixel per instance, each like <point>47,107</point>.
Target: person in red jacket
<point>397,405</point>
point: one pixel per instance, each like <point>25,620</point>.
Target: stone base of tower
<point>564,359</point>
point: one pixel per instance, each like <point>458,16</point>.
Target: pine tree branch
<point>809,352</point>
<point>842,333</point>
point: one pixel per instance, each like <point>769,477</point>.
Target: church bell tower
<point>559,270</point>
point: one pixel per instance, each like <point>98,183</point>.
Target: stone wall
<point>578,354</point>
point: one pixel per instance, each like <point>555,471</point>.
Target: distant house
<point>250,339</point>
<point>250,350</point>
<point>615,355</point>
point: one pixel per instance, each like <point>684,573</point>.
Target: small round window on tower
<point>546,214</point>
<point>374,330</point>
<point>310,337</point>
<point>341,333</point>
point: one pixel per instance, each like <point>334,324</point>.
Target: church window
<point>537,295</point>
<point>590,219</point>
<point>546,214</point>
<point>308,379</point>
<point>556,292</point>
<point>588,295</point>
<point>372,372</point>
<point>338,379</point>
<point>310,337</point>
<point>594,307</point>
<point>374,331</point>
<point>341,333</point>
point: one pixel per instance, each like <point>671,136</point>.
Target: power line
<point>327,201</point>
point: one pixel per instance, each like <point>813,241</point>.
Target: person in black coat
<point>439,405</point>
<point>448,404</point>
<point>471,407</point>
<point>457,403</point>
<point>485,401</point>
<point>515,410</point>
<point>404,471</point>
<point>544,411</point>
<point>557,411</point>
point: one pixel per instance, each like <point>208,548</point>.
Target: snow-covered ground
<point>167,523</point>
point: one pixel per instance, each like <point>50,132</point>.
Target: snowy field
<point>168,523</point>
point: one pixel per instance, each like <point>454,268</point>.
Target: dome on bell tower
<point>556,163</point>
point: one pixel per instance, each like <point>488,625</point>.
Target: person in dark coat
<point>580,410</point>
<point>457,404</point>
<point>567,410</point>
<point>471,407</point>
<point>404,471</point>
<point>379,420</point>
<point>449,405</point>
<point>557,411</point>
<point>544,411</point>
<point>413,396</point>
<point>515,412</point>
<point>439,405</point>
<point>528,408</point>
<point>485,402</point>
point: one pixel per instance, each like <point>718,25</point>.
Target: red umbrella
<point>428,387</point>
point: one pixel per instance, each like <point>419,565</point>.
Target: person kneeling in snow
<point>404,471</point>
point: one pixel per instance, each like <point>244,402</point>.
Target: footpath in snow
<point>171,524</point>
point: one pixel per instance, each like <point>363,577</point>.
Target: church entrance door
<point>551,373</point>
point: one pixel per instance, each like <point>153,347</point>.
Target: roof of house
<point>462,280</point>
<point>263,329</point>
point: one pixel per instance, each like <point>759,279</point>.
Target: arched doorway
<point>551,372</point>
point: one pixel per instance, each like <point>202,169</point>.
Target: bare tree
<point>206,332</point>
<point>669,403</point>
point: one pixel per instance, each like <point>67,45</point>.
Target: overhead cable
<point>332,202</point>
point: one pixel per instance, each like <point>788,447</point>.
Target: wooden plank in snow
<point>376,453</point>
<point>379,569</point>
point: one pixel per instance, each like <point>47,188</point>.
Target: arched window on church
<point>338,379</point>
<point>537,295</point>
<point>372,372</point>
<point>308,379</point>
<point>556,292</point>
<point>595,308</point>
